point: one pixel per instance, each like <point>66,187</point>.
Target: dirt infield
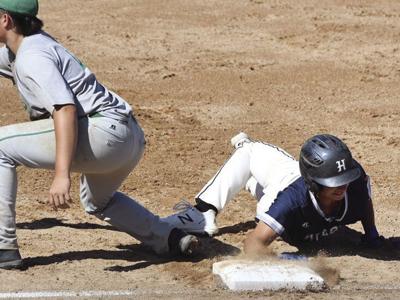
<point>197,72</point>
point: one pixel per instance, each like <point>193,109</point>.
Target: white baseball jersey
<point>46,74</point>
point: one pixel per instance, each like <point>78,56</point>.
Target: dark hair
<point>24,24</point>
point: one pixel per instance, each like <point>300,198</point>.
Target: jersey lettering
<point>316,236</point>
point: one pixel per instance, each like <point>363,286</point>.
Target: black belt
<point>99,115</point>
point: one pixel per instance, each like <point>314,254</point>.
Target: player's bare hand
<point>60,192</point>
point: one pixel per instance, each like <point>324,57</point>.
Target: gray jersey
<point>46,74</point>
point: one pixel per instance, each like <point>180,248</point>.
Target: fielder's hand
<point>59,192</point>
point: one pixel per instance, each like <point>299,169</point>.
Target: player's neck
<point>330,207</point>
<point>14,40</point>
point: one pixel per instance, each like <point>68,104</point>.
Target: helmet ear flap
<point>315,187</point>
<point>310,183</point>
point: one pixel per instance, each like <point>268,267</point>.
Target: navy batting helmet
<point>326,161</point>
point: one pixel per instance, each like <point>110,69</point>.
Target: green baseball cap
<point>23,7</point>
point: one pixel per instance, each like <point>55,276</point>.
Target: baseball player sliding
<point>302,202</point>
<point>79,126</point>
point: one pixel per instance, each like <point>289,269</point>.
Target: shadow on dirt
<point>209,248</point>
<point>240,227</point>
<point>46,223</point>
<point>140,254</point>
<point>346,242</point>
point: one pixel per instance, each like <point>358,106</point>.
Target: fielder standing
<point>303,202</point>
<point>79,126</point>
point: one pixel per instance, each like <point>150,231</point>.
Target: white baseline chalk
<point>63,294</point>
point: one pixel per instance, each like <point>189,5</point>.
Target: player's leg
<point>271,165</point>
<point>267,166</point>
<point>126,214</point>
<point>254,188</point>
<point>9,254</point>
<point>273,170</point>
<point>229,180</point>
<point>259,167</point>
<point>214,196</point>
<point>99,196</point>
<point>27,144</point>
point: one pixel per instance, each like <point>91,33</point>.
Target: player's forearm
<point>368,220</point>
<point>254,246</point>
<point>66,131</point>
<point>371,238</point>
<point>257,241</point>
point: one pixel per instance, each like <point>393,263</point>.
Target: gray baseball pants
<point>107,151</point>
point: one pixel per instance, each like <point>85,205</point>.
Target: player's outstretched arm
<point>371,238</point>
<point>258,240</point>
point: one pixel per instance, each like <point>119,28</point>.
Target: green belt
<point>95,115</point>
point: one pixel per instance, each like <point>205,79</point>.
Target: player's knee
<point>94,206</point>
<point>6,160</point>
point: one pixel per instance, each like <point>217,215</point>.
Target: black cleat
<point>181,243</point>
<point>10,259</point>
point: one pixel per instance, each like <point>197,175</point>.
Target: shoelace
<point>182,205</point>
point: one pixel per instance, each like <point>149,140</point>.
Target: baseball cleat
<point>191,220</point>
<point>10,259</point>
<point>188,245</point>
<point>238,140</point>
<point>181,243</point>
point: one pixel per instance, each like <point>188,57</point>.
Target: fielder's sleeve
<point>5,63</point>
<point>42,74</point>
<point>279,215</point>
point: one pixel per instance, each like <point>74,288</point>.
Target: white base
<point>243,275</point>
